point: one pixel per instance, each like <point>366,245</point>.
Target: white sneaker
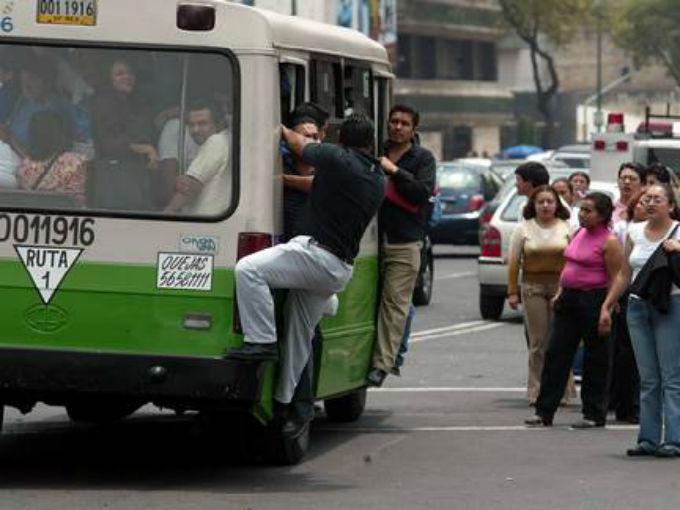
<point>331,307</point>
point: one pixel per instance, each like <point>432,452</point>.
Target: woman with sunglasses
<point>654,334</point>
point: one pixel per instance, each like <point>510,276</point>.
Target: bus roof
<point>298,33</point>
<point>237,27</point>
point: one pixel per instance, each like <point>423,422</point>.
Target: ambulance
<point>657,139</point>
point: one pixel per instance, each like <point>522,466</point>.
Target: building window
<point>430,58</point>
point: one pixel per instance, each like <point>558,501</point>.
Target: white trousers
<point>312,275</point>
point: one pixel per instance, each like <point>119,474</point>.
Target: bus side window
<point>326,91</point>
<point>358,90</point>
<point>383,95</point>
<point>292,85</point>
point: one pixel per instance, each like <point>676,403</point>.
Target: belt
<point>333,251</point>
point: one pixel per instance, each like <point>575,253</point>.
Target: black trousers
<point>575,318</point>
<point>624,391</point>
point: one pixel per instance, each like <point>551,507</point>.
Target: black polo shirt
<point>415,181</point>
<point>346,194</point>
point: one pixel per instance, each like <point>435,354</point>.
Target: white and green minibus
<point>111,300</point>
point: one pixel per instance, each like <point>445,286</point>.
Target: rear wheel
<point>490,306</point>
<point>287,450</point>
<point>88,411</point>
<point>422,294</point>
<point>347,408</point>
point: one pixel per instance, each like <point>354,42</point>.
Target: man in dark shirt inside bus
<point>411,172</point>
<point>347,191</point>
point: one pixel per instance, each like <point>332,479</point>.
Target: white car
<point>492,267</point>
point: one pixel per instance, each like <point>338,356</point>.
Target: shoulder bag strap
<point>48,169</point>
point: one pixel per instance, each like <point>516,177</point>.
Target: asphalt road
<point>448,434</point>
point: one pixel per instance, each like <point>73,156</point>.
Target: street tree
<point>545,25</point>
<point>650,31</point>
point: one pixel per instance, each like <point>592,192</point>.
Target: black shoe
<point>255,352</point>
<point>585,423</point>
<point>376,377</point>
<point>639,451</point>
<point>632,419</point>
<point>538,421</point>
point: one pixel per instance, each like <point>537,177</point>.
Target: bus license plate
<point>68,12</point>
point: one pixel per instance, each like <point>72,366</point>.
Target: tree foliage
<point>650,31</point>
<point>542,25</point>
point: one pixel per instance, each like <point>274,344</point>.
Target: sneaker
<point>376,377</point>
<point>585,423</point>
<point>255,352</point>
<point>667,451</point>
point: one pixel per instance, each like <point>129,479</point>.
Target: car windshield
<point>574,162</point>
<point>116,131</point>
<point>458,177</point>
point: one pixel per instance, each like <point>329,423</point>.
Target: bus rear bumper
<point>59,376</point>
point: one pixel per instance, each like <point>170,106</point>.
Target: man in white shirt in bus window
<point>205,189</point>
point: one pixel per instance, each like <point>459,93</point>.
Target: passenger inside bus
<point>123,112</point>
<point>207,184</point>
<point>122,122</point>
<point>50,164</point>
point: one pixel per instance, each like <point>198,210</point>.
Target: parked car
<point>576,157</point>
<point>465,187</point>
<point>556,169</point>
<point>492,267</point>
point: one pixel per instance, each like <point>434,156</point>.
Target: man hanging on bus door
<point>403,216</point>
<point>347,191</point>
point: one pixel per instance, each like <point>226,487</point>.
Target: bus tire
<point>2,416</point>
<point>100,412</point>
<point>347,408</point>
<point>286,450</point>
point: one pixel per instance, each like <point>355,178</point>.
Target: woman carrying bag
<point>653,320</point>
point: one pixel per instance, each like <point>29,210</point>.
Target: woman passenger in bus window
<point>122,124</point>
<point>50,164</point>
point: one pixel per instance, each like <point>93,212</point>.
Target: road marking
<point>452,327</point>
<point>465,428</point>
<point>458,332</point>
<point>458,389</point>
<point>451,276</point>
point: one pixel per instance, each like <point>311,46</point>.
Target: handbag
<point>122,185</point>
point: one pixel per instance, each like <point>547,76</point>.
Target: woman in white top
<point>654,335</point>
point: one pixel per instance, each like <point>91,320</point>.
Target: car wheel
<point>422,294</point>
<point>347,408</point>
<point>491,307</point>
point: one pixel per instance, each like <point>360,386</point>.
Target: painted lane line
<point>484,327</point>
<point>465,428</point>
<point>452,276</point>
<point>452,327</point>
<point>454,389</point>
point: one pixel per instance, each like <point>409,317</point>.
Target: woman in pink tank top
<point>593,258</point>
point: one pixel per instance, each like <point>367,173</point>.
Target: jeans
<point>656,343</point>
<point>403,348</point>
<point>575,318</point>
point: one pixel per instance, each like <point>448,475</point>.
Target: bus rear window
<point>118,131</point>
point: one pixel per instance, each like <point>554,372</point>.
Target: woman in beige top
<point>537,249</point>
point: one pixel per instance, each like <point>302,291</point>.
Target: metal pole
<point>599,67</point>
<point>293,7</point>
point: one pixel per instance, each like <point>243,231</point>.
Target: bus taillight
<point>249,243</point>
